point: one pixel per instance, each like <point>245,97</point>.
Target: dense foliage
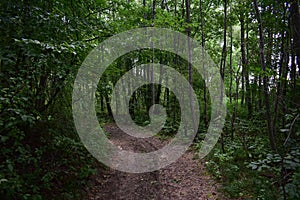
<point>256,45</point>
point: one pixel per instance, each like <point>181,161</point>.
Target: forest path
<point>185,179</point>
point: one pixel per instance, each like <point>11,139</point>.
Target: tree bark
<point>244,66</point>
<point>265,78</point>
<point>205,117</point>
<point>224,51</point>
<point>295,26</point>
<point>230,64</point>
<point>188,30</point>
<point>295,30</point>
<point>223,63</point>
<point>153,56</point>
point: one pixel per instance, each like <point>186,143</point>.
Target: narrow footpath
<point>185,179</point>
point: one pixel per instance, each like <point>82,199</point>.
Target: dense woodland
<point>255,44</point>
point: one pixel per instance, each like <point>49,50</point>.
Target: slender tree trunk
<point>293,71</point>
<point>234,114</point>
<point>243,88</point>
<point>230,65</point>
<point>188,20</point>
<point>153,54</point>
<point>205,117</point>
<point>101,103</point>
<point>260,96</point>
<point>108,104</point>
<point>223,63</point>
<point>265,78</point>
<point>224,51</point>
<point>158,93</point>
<point>231,82</point>
<point>295,26</point>
<point>255,94</point>
<point>145,14</point>
<point>269,50</point>
<point>244,66</point>
<point>295,30</point>
<point>153,10</point>
<point>281,76</point>
<point>159,87</point>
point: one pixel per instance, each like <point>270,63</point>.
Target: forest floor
<point>187,178</point>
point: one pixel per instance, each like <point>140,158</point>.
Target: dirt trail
<point>185,179</point>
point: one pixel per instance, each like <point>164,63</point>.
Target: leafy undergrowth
<point>231,168</point>
<point>46,160</point>
<point>248,169</point>
<point>57,169</point>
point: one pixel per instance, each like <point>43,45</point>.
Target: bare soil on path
<point>187,178</point>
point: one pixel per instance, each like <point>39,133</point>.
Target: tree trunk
<point>260,97</point>
<point>245,67</point>
<point>230,65</point>
<point>153,56</point>
<point>188,20</point>
<point>265,78</point>
<point>224,51</point>
<point>295,30</point>
<point>295,26</point>
<point>223,63</point>
<point>205,117</point>
<point>145,14</point>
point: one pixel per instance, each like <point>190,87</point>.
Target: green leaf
<point>10,167</point>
